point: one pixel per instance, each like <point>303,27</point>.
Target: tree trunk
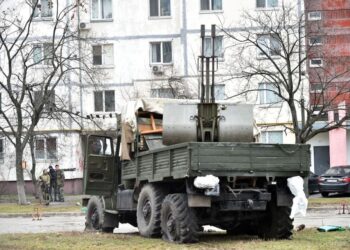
<point>22,200</point>
<point>294,115</point>
<point>33,170</point>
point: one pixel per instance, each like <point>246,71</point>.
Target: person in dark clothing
<point>53,183</point>
<point>60,183</point>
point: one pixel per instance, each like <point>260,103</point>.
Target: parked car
<point>313,183</point>
<point>335,180</point>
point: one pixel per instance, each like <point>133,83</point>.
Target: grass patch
<point>12,208</point>
<point>307,239</point>
<point>328,201</point>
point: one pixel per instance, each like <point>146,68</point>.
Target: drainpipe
<point>80,72</point>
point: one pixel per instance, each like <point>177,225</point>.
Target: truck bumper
<point>245,200</point>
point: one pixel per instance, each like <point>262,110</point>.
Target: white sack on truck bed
<point>206,182</point>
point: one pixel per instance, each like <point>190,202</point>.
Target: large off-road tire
<point>178,221</point>
<point>148,211</point>
<point>95,216</point>
<point>277,224</point>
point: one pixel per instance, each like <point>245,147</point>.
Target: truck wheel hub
<point>146,210</point>
<point>94,218</point>
<point>171,225</point>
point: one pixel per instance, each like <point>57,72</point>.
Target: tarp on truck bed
<point>129,123</point>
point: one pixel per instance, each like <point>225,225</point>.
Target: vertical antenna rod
<point>202,63</point>
<point>213,38</point>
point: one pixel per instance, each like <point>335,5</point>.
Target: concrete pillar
<point>337,142</point>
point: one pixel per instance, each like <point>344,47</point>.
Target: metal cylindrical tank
<point>235,123</point>
<point>179,124</point>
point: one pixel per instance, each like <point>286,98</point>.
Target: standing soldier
<point>59,182</point>
<point>53,184</point>
<point>44,181</point>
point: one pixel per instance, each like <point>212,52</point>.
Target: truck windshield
<point>100,145</point>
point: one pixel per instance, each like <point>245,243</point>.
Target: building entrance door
<point>321,159</point>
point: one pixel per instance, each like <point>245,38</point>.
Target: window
<point>208,5</point>
<point>219,90</point>
<point>161,52</point>
<point>159,8</point>
<point>320,112</point>
<point>46,148</point>
<point>43,8</point>
<point>316,88</point>
<point>49,101</point>
<point>267,93</point>
<point>100,145</point>
<point>102,54</point>
<point>218,47</point>
<point>314,15</point>
<point>2,147</point>
<point>268,44</point>
<point>266,3</point>
<point>272,137</point>
<point>316,62</point>
<point>101,9</point>
<point>336,115</point>
<point>42,53</point>
<point>315,40</point>
<point>104,101</point>
<point>162,93</point>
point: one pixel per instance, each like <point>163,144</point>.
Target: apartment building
<point>143,49</point>
<point>328,36</point>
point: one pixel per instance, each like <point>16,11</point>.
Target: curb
<point>323,209</point>
<point>51,214</point>
<point>45,214</point>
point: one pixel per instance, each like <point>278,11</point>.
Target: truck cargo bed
<point>220,159</point>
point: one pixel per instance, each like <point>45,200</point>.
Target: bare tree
<point>273,47</point>
<point>33,70</point>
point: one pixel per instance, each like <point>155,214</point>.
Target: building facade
<point>328,36</point>
<point>142,49</point>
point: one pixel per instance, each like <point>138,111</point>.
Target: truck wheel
<point>178,221</point>
<point>148,211</point>
<point>324,194</point>
<point>277,224</point>
<point>94,214</point>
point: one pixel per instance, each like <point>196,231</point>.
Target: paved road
<point>76,223</point>
<point>51,224</point>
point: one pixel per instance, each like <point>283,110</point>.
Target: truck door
<point>100,166</point>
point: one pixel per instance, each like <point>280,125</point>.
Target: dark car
<point>313,183</point>
<point>335,180</point>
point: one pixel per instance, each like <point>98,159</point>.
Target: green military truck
<point>179,166</point>
<point>152,186</point>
